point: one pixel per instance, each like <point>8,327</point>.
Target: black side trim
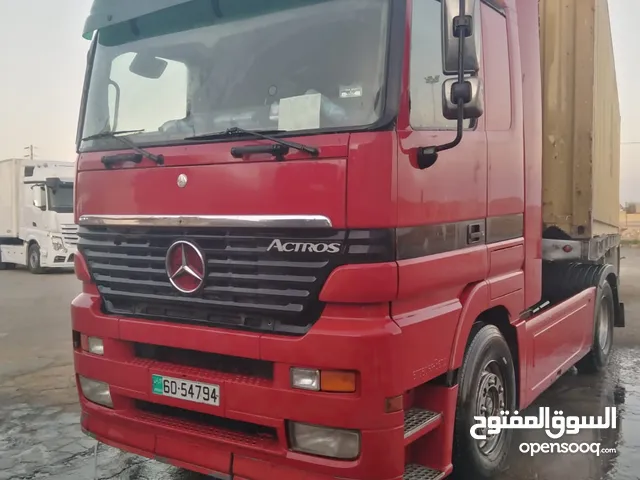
<point>415,242</point>
<point>425,240</point>
<point>506,227</point>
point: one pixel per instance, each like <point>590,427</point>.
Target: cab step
<point>418,422</point>
<point>418,472</point>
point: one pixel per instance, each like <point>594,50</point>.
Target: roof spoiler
<point>111,12</point>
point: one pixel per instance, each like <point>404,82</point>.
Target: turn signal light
<point>394,404</point>
<point>339,382</point>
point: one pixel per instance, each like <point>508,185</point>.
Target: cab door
<point>442,210</point>
<point>453,192</point>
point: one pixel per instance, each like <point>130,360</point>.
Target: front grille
<point>246,286</point>
<point>69,234</point>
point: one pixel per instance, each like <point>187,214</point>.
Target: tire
<point>603,324</point>
<point>33,260</point>
<point>487,379</point>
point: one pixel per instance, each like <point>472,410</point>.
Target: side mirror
<point>53,183</point>
<point>461,98</point>
<point>451,43</point>
<point>148,66</point>
<point>39,200</point>
<point>471,91</point>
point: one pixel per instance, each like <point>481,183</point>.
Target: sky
<point>43,55</point>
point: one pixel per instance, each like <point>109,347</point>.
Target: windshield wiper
<point>239,152</point>
<point>115,134</point>
<point>111,160</point>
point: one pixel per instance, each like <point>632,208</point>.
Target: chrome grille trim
<point>208,221</point>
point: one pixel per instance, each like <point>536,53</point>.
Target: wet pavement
<point>39,420</point>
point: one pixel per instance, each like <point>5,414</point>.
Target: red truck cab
<point>310,237</point>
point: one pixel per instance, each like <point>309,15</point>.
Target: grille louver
<point>69,234</point>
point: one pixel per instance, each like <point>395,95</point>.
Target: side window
<point>146,102</point>
<point>426,65</point>
<point>497,72</point>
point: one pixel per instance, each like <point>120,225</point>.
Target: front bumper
<point>50,258</point>
<point>199,450</point>
<point>360,344</point>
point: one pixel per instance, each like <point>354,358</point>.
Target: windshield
<point>60,199</point>
<point>201,67</point>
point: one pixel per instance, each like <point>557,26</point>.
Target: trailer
<point>581,133</point>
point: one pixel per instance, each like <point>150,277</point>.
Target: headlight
<point>325,442</point>
<point>92,345</point>
<point>95,391</point>
<point>57,243</point>
<point>305,379</point>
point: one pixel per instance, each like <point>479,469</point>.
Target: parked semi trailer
<point>37,228</point>
<point>317,238</point>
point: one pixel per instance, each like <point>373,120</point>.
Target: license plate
<point>186,390</point>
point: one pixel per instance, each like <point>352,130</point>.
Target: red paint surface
<point>557,338</point>
<point>398,325</point>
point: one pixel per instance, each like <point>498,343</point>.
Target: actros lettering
<point>291,247</point>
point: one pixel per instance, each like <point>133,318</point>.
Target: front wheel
<point>34,259</point>
<point>604,317</point>
<point>487,387</point>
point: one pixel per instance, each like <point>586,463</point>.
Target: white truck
<point>37,227</point>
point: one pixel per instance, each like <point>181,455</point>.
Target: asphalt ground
<point>39,413</point>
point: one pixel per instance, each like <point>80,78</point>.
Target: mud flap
<point>619,320</point>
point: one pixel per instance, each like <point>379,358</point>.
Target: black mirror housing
<point>470,92</point>
<point>452,23</point>
<point>148,66</point>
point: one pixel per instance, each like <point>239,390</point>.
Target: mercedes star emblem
<point>182,180</point>
<point>186,267</point>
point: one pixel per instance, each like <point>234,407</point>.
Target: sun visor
<point>105,13</point>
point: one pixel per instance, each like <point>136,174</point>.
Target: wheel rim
<point>34,259</point>
<point>603,326</point>
<point>491,400</point>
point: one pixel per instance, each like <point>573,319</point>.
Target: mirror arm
<point>428,156</point>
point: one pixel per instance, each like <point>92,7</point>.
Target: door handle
<point>475,233</point>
